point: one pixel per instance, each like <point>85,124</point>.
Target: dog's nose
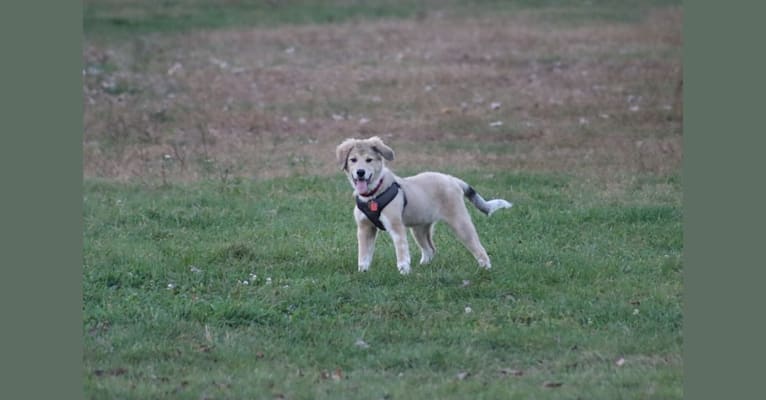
<point>360,173</point>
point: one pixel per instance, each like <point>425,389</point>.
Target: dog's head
<point>363,160</point>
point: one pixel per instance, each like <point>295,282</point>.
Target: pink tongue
<point>361,186</point>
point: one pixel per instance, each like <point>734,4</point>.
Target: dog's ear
<point>381,148</point>
<point>342,152</point>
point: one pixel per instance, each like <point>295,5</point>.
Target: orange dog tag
<point>373,206</point>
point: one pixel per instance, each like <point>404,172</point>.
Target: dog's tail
<point>485,206</point>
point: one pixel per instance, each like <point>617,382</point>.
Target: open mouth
<point>361,185</point>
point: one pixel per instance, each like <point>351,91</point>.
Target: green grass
<point>116,18</point>
<point>577,284</point>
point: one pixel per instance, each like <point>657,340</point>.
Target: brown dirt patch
<point>275,102</point>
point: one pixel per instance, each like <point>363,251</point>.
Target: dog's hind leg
<point>423,236</point>
<point>463,227</point>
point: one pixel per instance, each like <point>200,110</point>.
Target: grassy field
<point>219,247</point>
<point>576,286</point>
<point>118,18</point>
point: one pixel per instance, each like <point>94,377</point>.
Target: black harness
<point>375,206</point>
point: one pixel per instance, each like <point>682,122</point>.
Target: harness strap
<point>374,207</point>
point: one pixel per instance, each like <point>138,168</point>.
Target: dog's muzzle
<point>361,184</point>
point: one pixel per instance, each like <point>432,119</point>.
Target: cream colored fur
<point>431,197</point>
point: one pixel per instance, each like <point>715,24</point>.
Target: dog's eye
<point>369,160</point>
<point>353,159</point>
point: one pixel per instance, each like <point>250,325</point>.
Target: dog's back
<point>434,196</point>
<point>431,196</point>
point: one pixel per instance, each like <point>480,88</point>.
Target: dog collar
<point>371,192</point>
<point>373,207</point>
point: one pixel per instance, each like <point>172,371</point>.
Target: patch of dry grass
<point>593,100</point>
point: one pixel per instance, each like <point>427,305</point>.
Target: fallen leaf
<point>204,348</point>
<point>174,68</point>
<point>511,372</point>
<point>111,372</point>
<point>337,375</point>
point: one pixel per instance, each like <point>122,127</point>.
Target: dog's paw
<point>485,264</point>
<point>364,268</point>
<point>404,269</point>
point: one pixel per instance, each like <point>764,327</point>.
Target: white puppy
<point>388,202</point>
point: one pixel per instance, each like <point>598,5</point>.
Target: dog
<point>385,201</point>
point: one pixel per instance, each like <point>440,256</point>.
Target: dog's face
<point>363,161</point>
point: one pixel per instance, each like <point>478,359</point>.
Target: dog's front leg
<point>398,234</point>
<point>365,236</point>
